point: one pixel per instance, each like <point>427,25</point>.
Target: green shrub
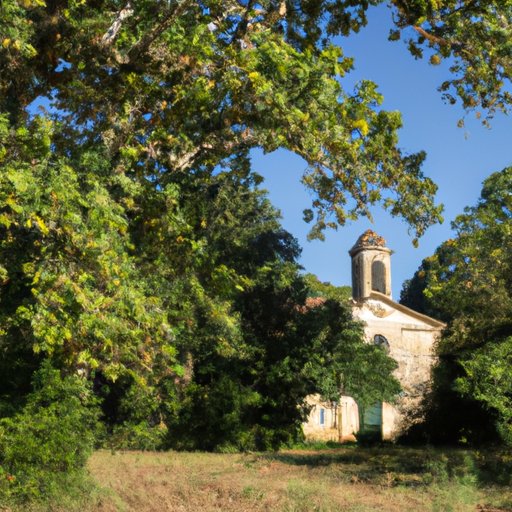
<point>50,439</point>
<point>137,436</point>
<point>317,445</point>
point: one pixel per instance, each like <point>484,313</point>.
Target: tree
<point>327,290</point>
<point>253,348</point>
<point>178,302</point>
<point>70,288</point>
<point>476,36</point>
<point>468,278</point>
<point>50,440</point>
<point>413,293</point>
<point>167,86</point>
<point>468,281</point>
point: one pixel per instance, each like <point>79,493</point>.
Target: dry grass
<point>346,479</point>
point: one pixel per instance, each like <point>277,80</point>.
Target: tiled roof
<point>313,302</point>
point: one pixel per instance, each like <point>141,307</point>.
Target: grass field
<point>356,479</point>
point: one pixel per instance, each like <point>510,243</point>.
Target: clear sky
<point>458,159</point>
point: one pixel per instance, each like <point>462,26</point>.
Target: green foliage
<point>412,294</point>
<point>188,86</point>
<point>50,439</point>
<point>135,244</point>
<point>327,290</point>
<point>468,277</point>
<point>320,445</point>
<point>475,36</point>
<point>182,301</point>
<point>468,281</point>
<point>246,381</point>
<point>69,287</point>
<point>449,417</point>
<point>137,436</point>
<point>488,379</point>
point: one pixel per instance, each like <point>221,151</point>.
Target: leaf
<point>435,60</point>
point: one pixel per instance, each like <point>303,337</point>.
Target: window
<point>322,417</point>
<point>381,341</point>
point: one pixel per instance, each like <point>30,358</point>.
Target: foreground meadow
<point>355,479</point>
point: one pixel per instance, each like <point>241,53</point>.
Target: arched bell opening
<point>378,276</point>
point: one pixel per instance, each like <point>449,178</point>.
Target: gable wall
<point>411,344</point>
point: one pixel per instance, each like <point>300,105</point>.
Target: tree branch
<point>186,160</point>
<point>141,46</point>
<point>438,40</point>
<point>111,33</point>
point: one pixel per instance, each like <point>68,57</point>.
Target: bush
<point>137,436</point>
<point>50,440</point>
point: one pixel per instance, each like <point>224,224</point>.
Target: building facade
<point>408,336</point>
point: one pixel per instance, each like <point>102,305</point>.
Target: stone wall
<point>340,421</point>
<point>411,338</point>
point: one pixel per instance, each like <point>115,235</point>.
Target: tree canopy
<point>174,86</point>
<point>168,87</point>
<point>179,301</point>
<point>468,282</point>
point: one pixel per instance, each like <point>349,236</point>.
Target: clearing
<point>355,479</point>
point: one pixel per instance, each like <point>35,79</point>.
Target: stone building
<point>331,421</point>
<point>408,336</point>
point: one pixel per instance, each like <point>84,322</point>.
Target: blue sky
<point>458,159</point>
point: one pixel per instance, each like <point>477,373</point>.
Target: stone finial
<point>368,239</point>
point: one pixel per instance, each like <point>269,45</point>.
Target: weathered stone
<point>408,336</point>
<point>338,421</point>
<point>371,266</point>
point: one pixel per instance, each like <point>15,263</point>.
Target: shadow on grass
<point>373,459</point>
<point>427,463</point>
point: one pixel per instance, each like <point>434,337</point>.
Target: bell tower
<point>371,266</point>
